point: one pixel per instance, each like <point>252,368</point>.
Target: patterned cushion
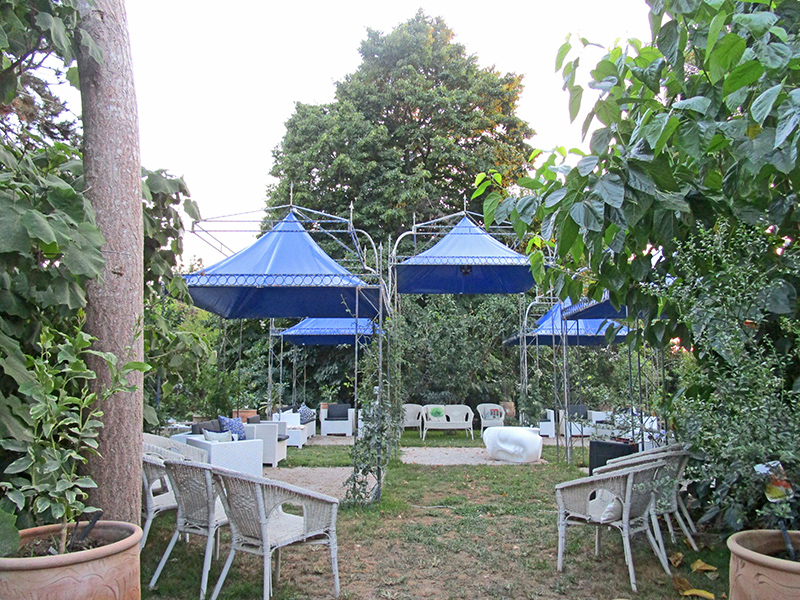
<point>306,414</point>
<point>235,426</point>
<point>436,414</point>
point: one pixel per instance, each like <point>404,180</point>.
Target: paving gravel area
<point>331,480</point>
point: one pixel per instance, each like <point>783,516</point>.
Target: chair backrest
<point>459,413</point>
<point>640,486</point>
<point>185,450</point>
<point>577,411</point>
<point>491,411</point>
<point>153,470</point>
<point>434,412</point>
<point>195,493</point>
<point>412,414</point>
<point>250,502</point>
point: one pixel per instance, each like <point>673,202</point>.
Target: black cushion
<point>212,425</point>
<point>338,412</point>
<point>283,437</point>
<point>254,419</point>
<point>311,420</point>
<point>578,411</point>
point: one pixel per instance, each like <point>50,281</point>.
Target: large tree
<point>115,302</point>
<point>406,133</point>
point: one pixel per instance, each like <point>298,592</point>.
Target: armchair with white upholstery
<point>412,417</point>
<point>492,415</point>
<point>274,438</point>
<point>245,456</point>
<point>337,419</point>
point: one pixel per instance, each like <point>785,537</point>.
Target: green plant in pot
<point>45,483</point>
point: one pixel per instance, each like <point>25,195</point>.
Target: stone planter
<point>105,572</point>
<point>511,410</point>
<point>755,575</point>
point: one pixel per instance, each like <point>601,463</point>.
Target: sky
<point>216,83</point>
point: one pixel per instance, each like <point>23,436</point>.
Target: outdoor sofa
<point>447,417</point>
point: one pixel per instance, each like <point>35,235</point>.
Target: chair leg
<point>670,527</point>
<point>562,538</point>
<point>207,563</point>
<point>224,574</point>
<point>626,543</point>
<point>685,512</point>
<point>145,530</point>
<point>685,530</point>
<point>597,541</point>
<point>164,558</point>
<point>659,551</point>
<point>276,575</point>
<point>334,562</point>
<point>267,560</point>
<point>657,534</point>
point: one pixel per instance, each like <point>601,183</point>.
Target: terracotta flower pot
<point>102,573</point>
<point>755,574</point>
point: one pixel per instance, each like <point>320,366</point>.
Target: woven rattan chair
<point>200,511</point>
<point>622,499</point>
<point>185,450</point>
<point>412,417</point>
<point>492,415</point>
<point>260,526</point>
<point>157,497</point>
<point>668,500</point>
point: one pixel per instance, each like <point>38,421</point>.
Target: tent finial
<point>291,193</point>
<point>465,205</point>
<point>351,212</point>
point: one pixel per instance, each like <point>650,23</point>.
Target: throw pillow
<point>436,413</point>
<point>212,436</point>
<point>233,425</point>
<point>306,414</point>
<point>612,512</point>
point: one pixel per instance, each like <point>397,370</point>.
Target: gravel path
<point>330,480</point>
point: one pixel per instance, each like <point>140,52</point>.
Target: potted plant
<point>45,483</point>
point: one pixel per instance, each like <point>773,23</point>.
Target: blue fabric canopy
<point>550,328</point>
<point>592,309</point>
<point>284,274</point>
<point>465,261</point>
<point>329,332</point>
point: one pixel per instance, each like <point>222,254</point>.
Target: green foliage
<point>61,428</point>
<point>734,408</point>
<point>406,132</point>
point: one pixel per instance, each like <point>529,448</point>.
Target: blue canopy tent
<point>329,332</point>
<point>284,274</point>
<point>550,329</point>
<point>467,260</point>
<point>592,309</point>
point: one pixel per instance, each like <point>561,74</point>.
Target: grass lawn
<point>475,532</point>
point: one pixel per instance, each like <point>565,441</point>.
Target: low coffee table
<point>297,436</point>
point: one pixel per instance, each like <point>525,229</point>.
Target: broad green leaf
<point>610,189</point>
<point>788,118</point>
<point>94,50</point>
<point>762,105</point>
<point>38,226</point>
<point>651,74</point>
<point>554,198</point>
<point>588,214</point>
<point>669,129</point>
<point>489,206</point>
<point>562,53</point>
<point>699,104</point>
<point>727,52</point>
<point>3,38</point>
<point>601,138</point>
<point>537,266</point>
<point>575,95</point>
<point>667,41</point>
<point>757,23</point>
<point>780,297</point>
<point>527,207</point>
<point>58,34</point>
<point>529,183</point>
<point>741,76</point>
<point>9,535</point>
<point>586,165</point>
<point>19,466</point>
<point>717,23</point>
<point>685,6</point>
<point>8,86</point>
<point>776,55</point>
<point>504,209</point>
<point>74,78</point>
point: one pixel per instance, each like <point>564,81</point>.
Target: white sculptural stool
<point>513,444</point>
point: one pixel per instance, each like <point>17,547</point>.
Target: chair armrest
<point>623,462</point>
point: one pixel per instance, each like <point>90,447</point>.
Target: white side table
<point>297,436</point>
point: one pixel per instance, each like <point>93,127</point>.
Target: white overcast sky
<point>216,82</point>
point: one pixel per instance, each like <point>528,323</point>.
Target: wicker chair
<point>492,415</point>
<point>622,499</point>
<point>200,511</point>
<point>173,446</point>
<point>668,500</point>
<point>157,497</point>
<point>412,417</point>
<point>260,526</point>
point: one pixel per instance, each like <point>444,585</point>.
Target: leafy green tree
<point>406,134</point>
<point>686,208</point>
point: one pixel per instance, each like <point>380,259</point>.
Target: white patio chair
<point>492,415</point>
<point>200,512</point>
<point>668,500</point>
<point>337,419</point>
<point>622,499</point>
<point>260,526</point>
<point>157,497</point>
<point>412,417</point>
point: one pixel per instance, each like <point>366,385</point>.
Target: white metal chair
<point>412,417</point>
<point>200,511</point>
<point>668,499</point>
<point>260,526</point>
<point>492,415</point>
<point>157,497</point>
<point>622,499</point>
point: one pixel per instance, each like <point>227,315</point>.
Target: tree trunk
<point>114,311</point>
